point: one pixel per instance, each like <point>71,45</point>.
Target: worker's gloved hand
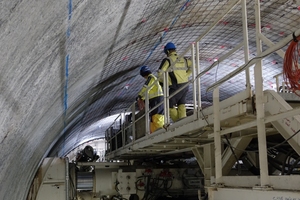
<point>138,98</point>
<point>140,102</point>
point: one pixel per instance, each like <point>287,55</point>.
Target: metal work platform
<point>237,118</point>
<point>182,136</point>
<point>194,135</point>
<point>256,129</point>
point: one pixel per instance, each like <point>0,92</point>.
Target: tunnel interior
<point>69,67</point>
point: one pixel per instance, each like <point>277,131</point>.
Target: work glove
<point>138,98</point>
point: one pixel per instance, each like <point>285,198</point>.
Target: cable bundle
<point>291,71</point>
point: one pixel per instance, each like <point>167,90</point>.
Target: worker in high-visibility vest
<point>179,70</point>
<point>155,95</point>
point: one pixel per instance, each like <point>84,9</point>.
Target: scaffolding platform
<point>237,119</point>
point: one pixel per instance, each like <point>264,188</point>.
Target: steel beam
<point>260,112</point>
<point>250,194</point>
<point>246,45</point>
<point>217,136</point>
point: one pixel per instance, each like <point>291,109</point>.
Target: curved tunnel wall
<point>33,43</point>
<point>108,43</point>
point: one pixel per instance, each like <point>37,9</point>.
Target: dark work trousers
<point>153,102</point>
<point>180,97</point>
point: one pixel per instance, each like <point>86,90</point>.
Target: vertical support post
<point>246,45</point>
<point>277,83</point>
<point>106,141</point>
<point>123,128</point>
<point>147,112</point>
<point>198,79</point>
<point>133,121</point>
<point>209,163</point>
<point>67,177</point>
<point>110,139</point>
<point>115,136</point>
<point>260,112</point>
<point>166,98</point>
<point>217,136</point>
<point>283,87</point>
<point>194,79</point>
<point>198,153</point>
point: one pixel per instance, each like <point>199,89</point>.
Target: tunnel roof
<point>102,45</point>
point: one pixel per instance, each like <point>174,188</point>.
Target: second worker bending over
<point>155,97</point>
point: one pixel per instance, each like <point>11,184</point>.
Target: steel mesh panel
<point>164,21</point>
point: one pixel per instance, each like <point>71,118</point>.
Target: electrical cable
<point>228,143</point>
<point>273,147</point>
<point>269,148</point>
<point>293,166</point>
<point>116,186</point>
<point>234,154</point>
<point>246,65</point>
<point>139,179</point>
<point>249,61</point>
<point>287,160</point>
<point>146,193</point>
<point>73,185</point>
<point>156,187</point>
<point>291,71</point>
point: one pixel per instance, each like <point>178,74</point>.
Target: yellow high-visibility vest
<point>179,71</point>
<point>155,89</point>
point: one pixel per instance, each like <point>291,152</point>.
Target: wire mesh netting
<point>183,22</point>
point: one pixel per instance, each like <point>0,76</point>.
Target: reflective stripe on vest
<point>173,67</point>
<point>156,86</point>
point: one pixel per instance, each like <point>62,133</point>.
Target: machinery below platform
<point>116,181</point>
<point>239,164</point>
<point>180,163</point>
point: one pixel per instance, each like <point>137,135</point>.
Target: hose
<point>291,71</point>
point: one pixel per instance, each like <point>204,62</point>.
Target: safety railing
<point>128,132</point>
<point>132,125</point>
<point>259,101</point>
<point>128,129</point>
<point>111,132</point>
<point>281,85</point>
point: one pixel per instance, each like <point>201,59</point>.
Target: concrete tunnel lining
<point>109,41</point>
<point>32,75</point>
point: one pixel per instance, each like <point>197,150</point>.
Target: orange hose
<point>291,71</point>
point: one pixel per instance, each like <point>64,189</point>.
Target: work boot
<point>157,121</point>
<point>174,114</point>
<point>181,111</point>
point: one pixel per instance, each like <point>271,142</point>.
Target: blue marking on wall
<point>67,59</point>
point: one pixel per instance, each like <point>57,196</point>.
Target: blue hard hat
<point>169,46</point>
<point>144,71</point>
